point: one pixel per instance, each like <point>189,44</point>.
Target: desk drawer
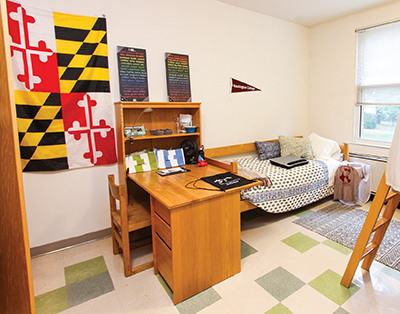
<point>162,211</point>
<point>163,230</point>
<point>164,261</point>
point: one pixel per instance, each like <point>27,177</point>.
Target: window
<point>378,81</point>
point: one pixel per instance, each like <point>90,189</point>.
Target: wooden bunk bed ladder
<point>362,249</point>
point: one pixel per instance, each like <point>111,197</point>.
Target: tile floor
<point>285,269</point>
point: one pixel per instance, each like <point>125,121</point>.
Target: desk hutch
<point>162,117</point>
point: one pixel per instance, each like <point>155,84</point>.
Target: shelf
<point>163,116</point>
<point>158,105</point>
<point>151,137</point>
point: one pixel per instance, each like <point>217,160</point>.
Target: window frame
<point>358,108</point>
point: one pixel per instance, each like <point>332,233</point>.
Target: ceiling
<point>307,12</point>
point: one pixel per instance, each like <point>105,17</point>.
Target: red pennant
<point>240,87</point>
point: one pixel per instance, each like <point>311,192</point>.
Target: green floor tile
<point>84,270</point>
<point>52,302</point>
<point>280,283</point>
<point>338,247</point>
<point>300,242</point>
<point>198,302</point>
<point>340,311</point>
<point>246,249</point>
<point>88,289</point>
<point>165,286</point>
<point>279,309</point>
<point>329,285</point>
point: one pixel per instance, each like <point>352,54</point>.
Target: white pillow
<point>324,148</point>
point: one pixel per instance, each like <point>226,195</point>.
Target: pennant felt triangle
<point>240,87</point>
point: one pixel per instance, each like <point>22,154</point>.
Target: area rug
<point>343,225</point>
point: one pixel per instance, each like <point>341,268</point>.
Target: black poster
<point>132,69</point>
<point>178,78</point>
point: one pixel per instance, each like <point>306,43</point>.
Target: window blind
<point>378,65</point>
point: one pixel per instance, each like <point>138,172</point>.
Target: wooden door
<point>16,284</point>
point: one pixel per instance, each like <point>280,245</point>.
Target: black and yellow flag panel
<point>82,53</point>
<point>41,131</point>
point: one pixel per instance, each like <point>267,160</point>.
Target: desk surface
<point>171,191</point>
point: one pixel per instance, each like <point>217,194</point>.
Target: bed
<point>291,188</point>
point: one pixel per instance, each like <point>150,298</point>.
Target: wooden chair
<point>133,215</point>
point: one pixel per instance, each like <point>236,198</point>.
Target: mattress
<point>292,188</point>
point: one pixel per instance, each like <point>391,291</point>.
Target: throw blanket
<point>291,189</point>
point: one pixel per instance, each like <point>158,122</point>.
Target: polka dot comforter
<point>291,189</point>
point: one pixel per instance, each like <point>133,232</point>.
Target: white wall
<point>333,85</point>
<point>332,74</point>
<point>222,42</point>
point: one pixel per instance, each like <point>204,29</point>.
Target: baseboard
<point>63,244</point>
<point>371,198</point>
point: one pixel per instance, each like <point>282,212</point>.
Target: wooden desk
<point>196,233</point>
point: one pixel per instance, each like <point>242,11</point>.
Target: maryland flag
<point>62,91</point>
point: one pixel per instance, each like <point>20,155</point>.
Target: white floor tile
<point>326,257</point>
<point>258,264</point>
<point>219,307</point>
<point>48,272</point>
<point>379,294</point>
<point>304,268</point>
<point>307,300</point>
<point>283,230</point>
<point>81,253</point>
<point>251,298</point>
<point>309,233</point>
<point>143,293</point>
<point>277,251</point>
<point>232,284</point>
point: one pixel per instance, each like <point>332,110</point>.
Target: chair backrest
<point>114,188</point>
<point>117,192</point>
